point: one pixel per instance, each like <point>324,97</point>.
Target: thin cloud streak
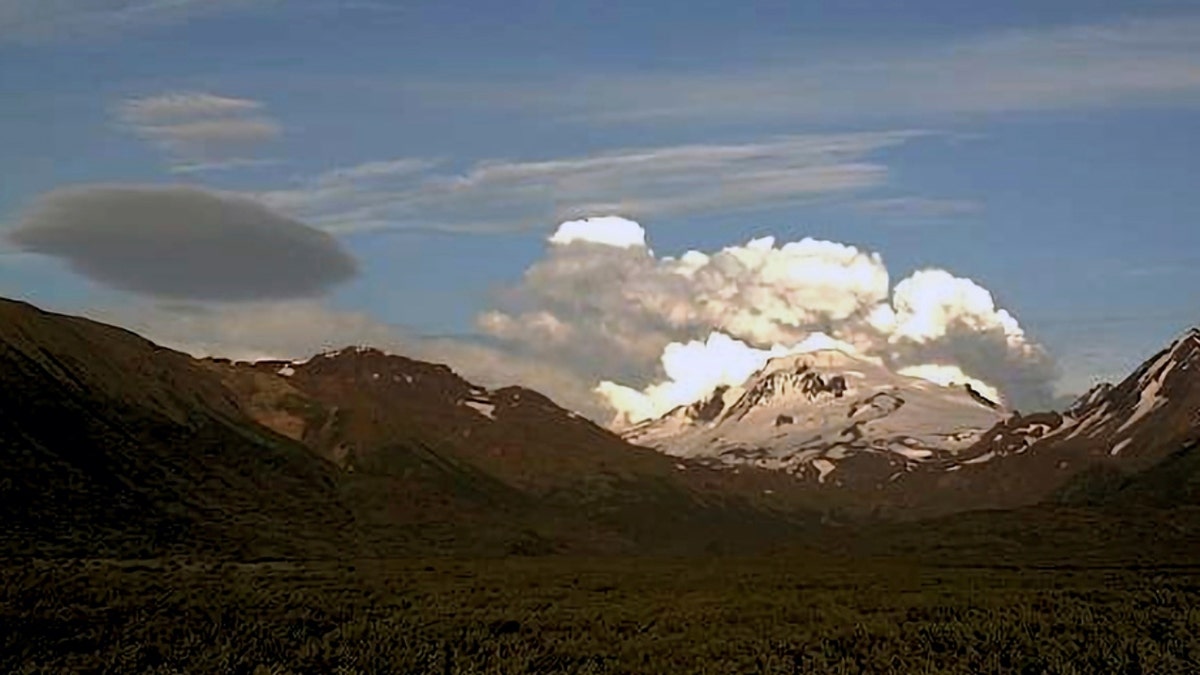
<point>504,196</point>
<point>912,207</point>
<point>183,106</point>
<point>32,21</point>
<point>222,165</point>
<point>1124,63</point>
<point>199,131</point>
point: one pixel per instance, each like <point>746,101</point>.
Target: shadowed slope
<point>112,444</point>
<point>544,466</point>
<point>115,446</point>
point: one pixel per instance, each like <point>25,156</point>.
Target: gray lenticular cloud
<point>182,242</point>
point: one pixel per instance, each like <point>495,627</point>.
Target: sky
<point>1004,189</point>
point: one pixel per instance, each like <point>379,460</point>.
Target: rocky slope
<point>1156,407</point>
<point>1109,434</point>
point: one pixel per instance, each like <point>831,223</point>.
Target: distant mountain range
<point>842,420</point>
<point>115,446</point>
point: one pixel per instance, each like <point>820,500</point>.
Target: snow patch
<point>985,457</point>
<point>824,467</point>
<point>286,371</point>
<point>1120,446</point>
<point>359,349</point>
<point>484,408</point>
<point>1159,369</point>
<point>1091,419</point>
<point>911,453</point>
<point>1149,401</point>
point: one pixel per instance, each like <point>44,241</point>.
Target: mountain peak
<point>1174,361</point>
<point>1153,407</point>
<point>820,358</point>
<point>808,412</point>
<point>1097,392</point>
<point>1189,341</point>
<point>353,350</point>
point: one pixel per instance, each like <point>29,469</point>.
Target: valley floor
<point>785,613</point>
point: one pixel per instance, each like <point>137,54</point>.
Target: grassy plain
<point>784,613</point>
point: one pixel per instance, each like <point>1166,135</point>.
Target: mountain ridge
<point>1014,460</point>
<point>112,443</point>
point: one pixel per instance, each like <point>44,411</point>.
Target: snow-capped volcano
<point>805,413</point>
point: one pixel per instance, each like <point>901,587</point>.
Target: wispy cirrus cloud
<point>917,208</point>
<point>220,165</point>
<point>1119,63</point>
<point>501,195</point>
<point>200,131</point>
<point>177,106</point>
<point>41,20</point>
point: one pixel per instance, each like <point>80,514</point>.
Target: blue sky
<point>1045,150</point>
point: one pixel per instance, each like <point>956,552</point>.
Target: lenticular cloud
<point>656,332</point>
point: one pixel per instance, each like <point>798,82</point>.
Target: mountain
<point>113,445</point>
<point>872,442</point>
<point>808,414</point>
<point>1155,408</point>
<point>369,412</point>
<point>1107,435</point>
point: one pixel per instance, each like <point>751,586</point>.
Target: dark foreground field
<point>777,614</point>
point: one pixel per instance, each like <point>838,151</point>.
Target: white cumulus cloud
<point>949,376</point>
<point>607,230</point>
<point>655,331</point>
<point>928,303</point>
<point>694,369</point>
